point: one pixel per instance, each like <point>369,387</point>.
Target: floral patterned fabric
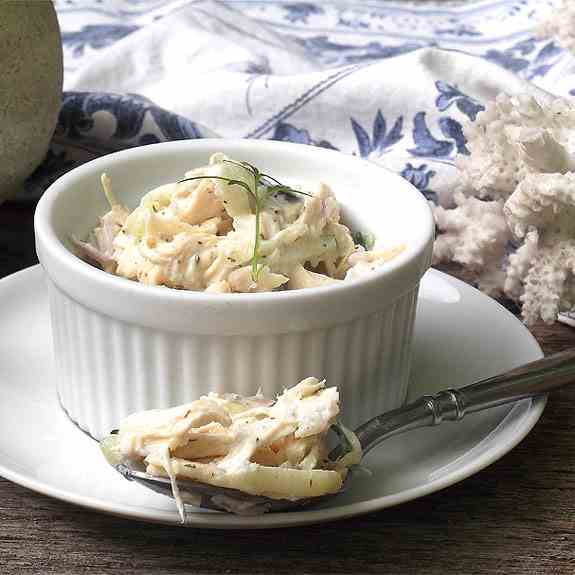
<point>388,81</point>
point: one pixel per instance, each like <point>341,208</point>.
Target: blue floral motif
<point>354,24</point>
<point>76,120</point>
<point>425,143</point>
<point>507,59</point>
<point>546,58</point>
<point>381,139</point>
<point>451,128</point>
<point>300,11</point>
<point>330,52</point>
<point>462,30</point>
<point>539,71</point>
<point>550,50</point>
<point>288,133</point>
<point>258,68</point>
<point>524,57</point>
<point>82,134</point>
<point>96,36</point>
<point>172,126</point>
<point>420,176</point>
<point>525,47</point>
<point>513,58</point>
<point>449,95</point>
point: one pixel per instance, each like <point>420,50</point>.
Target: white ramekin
<point>121,346</point>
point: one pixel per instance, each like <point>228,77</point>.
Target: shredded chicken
<point>101,247</point>
<point>199,235</point>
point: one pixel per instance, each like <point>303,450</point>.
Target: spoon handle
<point>535,378</point>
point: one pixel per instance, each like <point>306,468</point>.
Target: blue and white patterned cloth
<point>391,81</point>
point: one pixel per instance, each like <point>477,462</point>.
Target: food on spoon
<point>275,449</point>
<point>229,228</point>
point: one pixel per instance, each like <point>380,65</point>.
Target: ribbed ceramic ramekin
<point>121,346</point>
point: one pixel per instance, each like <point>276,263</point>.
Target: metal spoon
<point>535,378</point>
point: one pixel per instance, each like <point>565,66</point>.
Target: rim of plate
<point>217,520</point>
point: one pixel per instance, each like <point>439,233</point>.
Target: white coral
<point>519,264</point>
<point>560,25</point>
<point>543,201</point>
<point>541,273</point>
<point>506,142</point>
<point>474,234</point>
<point>548,286</point>
<point>517,185</point>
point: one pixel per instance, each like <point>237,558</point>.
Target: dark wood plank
<point>517,517</point>
<point>16,237</point>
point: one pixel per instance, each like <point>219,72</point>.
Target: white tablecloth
<point>391,81</point>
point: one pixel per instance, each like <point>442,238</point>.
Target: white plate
<point>461,335</point>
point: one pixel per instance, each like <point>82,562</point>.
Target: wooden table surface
<point>515,517</point>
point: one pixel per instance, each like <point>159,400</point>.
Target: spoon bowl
<point>212,496</point>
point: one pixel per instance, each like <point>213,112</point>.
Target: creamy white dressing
<point>199,235</point>
<point>232,431</point>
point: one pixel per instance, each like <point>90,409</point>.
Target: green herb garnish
<point>261,187</point>
<point>363,239</point>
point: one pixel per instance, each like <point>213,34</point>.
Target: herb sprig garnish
<point>262,186</point>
